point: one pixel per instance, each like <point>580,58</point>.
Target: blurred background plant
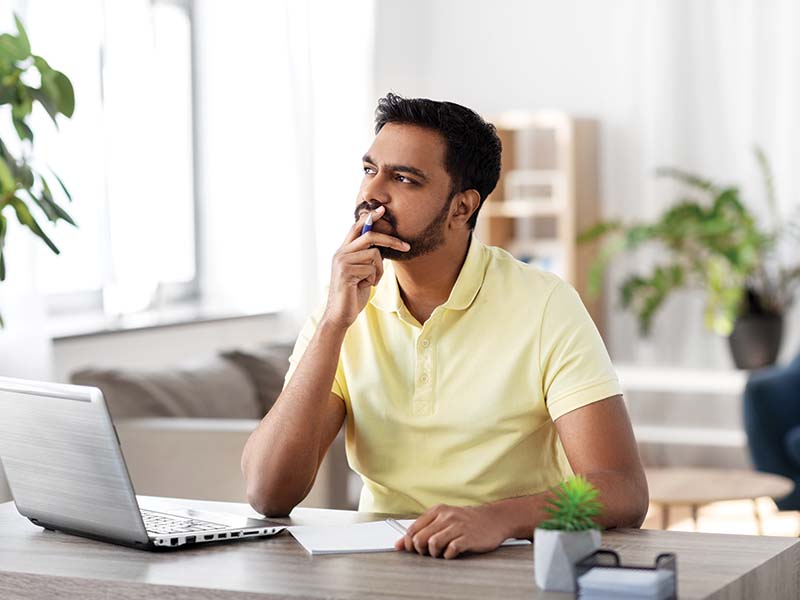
<point>714,243</point>
<point>26,79</point>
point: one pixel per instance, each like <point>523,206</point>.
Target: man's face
<point>404,172</point>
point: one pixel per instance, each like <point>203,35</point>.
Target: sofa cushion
<point>209,388</point>
<point>266,366</point>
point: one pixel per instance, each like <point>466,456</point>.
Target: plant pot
<point>555,554</point>
<point>756,340</point>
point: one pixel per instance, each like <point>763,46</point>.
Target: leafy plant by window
<point>27,79</point>
<point>714,243</point>
<point>573,506</point>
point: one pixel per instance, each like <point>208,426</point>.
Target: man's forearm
<point>623,497</point>
<point>281,457</point>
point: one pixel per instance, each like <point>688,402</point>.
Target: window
<point>126,155</point>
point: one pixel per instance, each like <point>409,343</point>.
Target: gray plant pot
<point>555,554</point>
<point>756,340</point>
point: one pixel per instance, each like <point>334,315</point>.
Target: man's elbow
<point>266,503</point>
<point>639,502</point>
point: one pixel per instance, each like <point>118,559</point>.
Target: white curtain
<point>284,93</point>
<point>712,78</point>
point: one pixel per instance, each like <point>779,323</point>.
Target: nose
<point>374,191</point>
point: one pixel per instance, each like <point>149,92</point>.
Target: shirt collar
<point>386,295</point>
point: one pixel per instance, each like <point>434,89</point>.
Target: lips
<point>386,219</point>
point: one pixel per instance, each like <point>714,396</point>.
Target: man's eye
<point>404,179</point>
<point>369,171</point>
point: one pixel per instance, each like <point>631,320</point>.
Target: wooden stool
<point>694,487</point>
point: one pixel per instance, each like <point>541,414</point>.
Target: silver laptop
<point>66,472</point>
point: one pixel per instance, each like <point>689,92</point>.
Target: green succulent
<point>714,243</point>
<point>26,79</point>
<point>573,506</point>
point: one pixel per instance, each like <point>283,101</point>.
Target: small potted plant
<point>569,535</point>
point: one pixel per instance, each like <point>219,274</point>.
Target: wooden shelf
<point>548,191</point>
<point>520,209</point>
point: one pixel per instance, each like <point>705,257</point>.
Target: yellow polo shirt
<point>460,409</point>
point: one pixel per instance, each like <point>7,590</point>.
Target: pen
<point>396,526</point>
<point>367,225</point>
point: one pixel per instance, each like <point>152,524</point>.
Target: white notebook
<point>375,536</point>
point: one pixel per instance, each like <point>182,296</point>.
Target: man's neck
<point>425,282</point>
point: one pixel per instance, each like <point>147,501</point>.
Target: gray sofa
<point>182,428</point>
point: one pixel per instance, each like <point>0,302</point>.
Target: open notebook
<point>375,536</point>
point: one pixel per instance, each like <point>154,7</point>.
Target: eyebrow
<point>397,168</point>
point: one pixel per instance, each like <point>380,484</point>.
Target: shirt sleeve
<point>574,363</point>
<point>303,339</point>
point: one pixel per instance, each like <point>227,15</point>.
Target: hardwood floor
<point>730,517</point>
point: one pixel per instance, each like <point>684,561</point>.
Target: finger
<point>372,281</point>
<point>373,238</point>
<point>365,258</point>
<point>420,539</point>
<point>356,274</point>
<point>370,256</point>
<point>438,542</point>
<point>456,547</point>
<point>355,230</point>
<point>423,520</point>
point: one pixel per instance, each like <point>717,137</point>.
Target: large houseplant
<point>569,535</point>
<point>713,242</point>
<point>27,79</point>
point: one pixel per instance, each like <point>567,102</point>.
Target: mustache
<point>370,206</point>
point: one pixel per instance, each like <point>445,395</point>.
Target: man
<point>470,383</point>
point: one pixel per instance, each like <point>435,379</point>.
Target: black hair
<point>473,149</point>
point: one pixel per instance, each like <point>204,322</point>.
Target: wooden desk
<point>38,564</point>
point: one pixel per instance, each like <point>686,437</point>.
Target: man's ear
<point>464,205</point>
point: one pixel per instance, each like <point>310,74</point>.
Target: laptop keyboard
<point>166,524</point>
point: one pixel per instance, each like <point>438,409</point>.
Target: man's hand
<point>357,266</point>
<point>447,531</point>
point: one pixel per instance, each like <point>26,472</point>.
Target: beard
<point>425,242</point>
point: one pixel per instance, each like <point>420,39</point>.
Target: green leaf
<point>7,182</point>
<point>25,218</point>
<point>3,230</point>
<point>687,178</point>
<point>49,205</point>
<point>23,131</point>
<point>66,94</point>
<point>24,103</point>
<point>23,43</point>
<point>769,185</point>
<point>13,48</point>
<point>56,92</point>
<point>599,230</point>
<point>63,187</point>
<point>48,103</point>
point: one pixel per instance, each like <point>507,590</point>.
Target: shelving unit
<point>547,194</point>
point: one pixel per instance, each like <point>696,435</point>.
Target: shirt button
<point>426,343</point>
<point>424,379</point>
